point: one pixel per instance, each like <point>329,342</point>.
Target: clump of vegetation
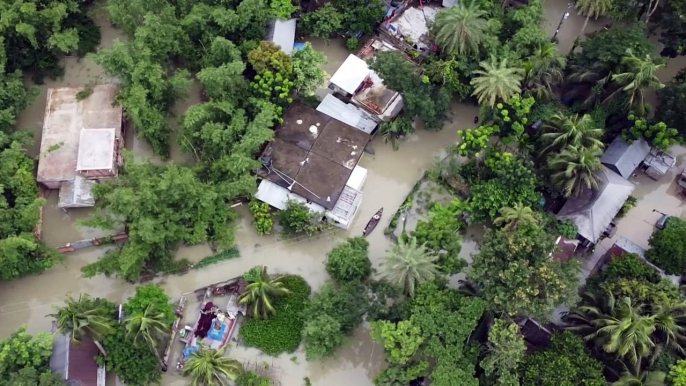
<point>262,217</point>
<point>353,44</point>
<point>260,294</point>
<point>629,204</point>
<point>396,130</point>
<point>282,332</point>
<point>150,295</point>
<point>349,261</point>
<point>251,378</point>
<point>226,254</point>
<point>567,229</point>
<point>668,247</point>
<point>26,359</point>
<point>297,220</point>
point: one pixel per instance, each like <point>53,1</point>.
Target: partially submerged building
<point>81,142</point>
<point>313,159</point>
<point>75,362</point>
<point>408,27</point>
<point>657,163</point>
<point>356,82</point>
<point>623,158</point>
<point>594,209</point>
<point>282,33</point>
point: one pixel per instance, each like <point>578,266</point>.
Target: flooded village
<point>363,174</point>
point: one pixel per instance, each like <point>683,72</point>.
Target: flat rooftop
<point>67,122</point>
<point>313,154</point>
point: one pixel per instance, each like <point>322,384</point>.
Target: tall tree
<point>410,264</point>
<point>594,9</point>
<point>505,350</point>
<point>543,71</point>
<point>459,30</point>
<point>349,261</point>
<point>148,327</point>
<point>85,316</point>
<point>209,367</point>
<point>640,74</point>
<point>260,294</point>
<point>518,215</point>
<point>575,130</point>
<point>576,168</point>
<point>496,81</point>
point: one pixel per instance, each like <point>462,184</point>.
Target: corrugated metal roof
<point>76,193</point>
<point>623,158</point>
<point>282,33</point>
<point>593,210</point>
<point>347,113</point>
<point>350,74</point>
<point>278,197</point>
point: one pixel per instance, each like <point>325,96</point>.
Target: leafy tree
<point>515,216</point>
<point>576,168</point>
<point>460,29</point>
<point>150,295</point>
<point>307,69</point>
<point>147,328</point>
<point>160,206</point>
<point>575,130</point>
<point>259,294</point>
<point>31,377</point>
<point>275,88</point>
<point>451,74</point>
<point>401,341</point>
<point>269,57</point>
<point>225,82</point>
<point>283,331</point>
<point>85,316</point>
<point>671,101</point>
<point>349,261</point>
<point>360,15</point>
<point>518,275</point>
<point>323,23</point>
<point>657,134</point>
<point>410,264</point>
<point>594,9</point>
<point>262,217</point>
<point>474,141</point>
<point>208,367</point>
<point>564,363</point>
<point>22,350</point>
<point>608,48</point>
<point>640,74</point>
<point>283,9</point>
<point>134,364</point>
<point>496,81</point>
<point>506,350</point>
<point>395,130</point>
<point>297,219</point>
<point>322,335</point>
<point>668,247</point>
<point>14,98</point>
<point>677,374</point>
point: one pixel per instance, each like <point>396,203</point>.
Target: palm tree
<point>589,82</point>
<point>147,328</point>
<point>641,73</point>
<point>496,81</point>
<point>515,216</point>
<point>572,131</point>
<point>544,71</point>
<point>84,316</point>
<point>393,131</point>
<point>594,9</point>
<point>410,264</point>
<point>209,367</point>
<point>576,168</point>
<point>259,294</point>
<point>643,378</point>
<point>459,30</point>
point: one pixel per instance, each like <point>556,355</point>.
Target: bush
<point>353,44</point>
<point>349,261</point>
<point>283,331</point>
<point>668,247</point>
<point>628,205</point>
<point>297,219</point>
<point>567,229</point>
<point>150,295</point>
<point>251,378</point>
<point>630,266</point>
<point>227,254</point>
<point>261,217</point>
<point>134,364</point>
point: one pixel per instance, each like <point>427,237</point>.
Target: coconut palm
<point>594,9</point>
<point>395,130</point>
<point>209,367</point>
<point>259,294</point>
<point>643,378</point>
<point>513,217</point>
<point>640,74</point>
<point>544,71</point>
<point>588,84</point>
<point>496,81</point>
<point>84,316</point>
<point>459,30</point>
<point>575,168</point>
<point>147,327</point>
<point>574,130</point>
<point>410,264</point>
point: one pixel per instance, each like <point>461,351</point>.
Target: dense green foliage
<point>343,16</point>
<point>151,295</point>
<point>349,261</point>
<point>505,351</point>
<point>250,378</point>
<point>261,217</point>
<point>298,220</point>
<point>281,332</point>
<point>226,254</point>
<point>668,247</point>
<point>22,350</point>
<point>135,365</point>
<point>565,363</point>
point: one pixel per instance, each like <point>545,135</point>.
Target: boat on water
<point>373,222</point>
<point>214,326</point>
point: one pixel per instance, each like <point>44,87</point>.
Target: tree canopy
<point>668,247</point>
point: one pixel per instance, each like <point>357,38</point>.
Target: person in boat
<point>375,217</point>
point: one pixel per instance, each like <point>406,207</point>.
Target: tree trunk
<point>99,346</point>
<point>585,24</point>
<point>649,12</point>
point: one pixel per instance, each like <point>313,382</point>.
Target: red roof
<point>82,366</point>
<point>565,249</point>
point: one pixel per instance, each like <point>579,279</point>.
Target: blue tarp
<point>189,350</point>
<point>215,334</point>
<point>298,46</point>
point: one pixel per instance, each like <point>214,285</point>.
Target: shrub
<point>251,378</point>
<point>226,254</point>
<point>567,229</point>
<point>282,332</point>
<point>668,247</point>
<point>353,44</point>
<point>261,217</point>
<point>630,266</point>
<point>297,219</point>
<point>349,261</point>
<point>628,205</point>
<point>134,364</point>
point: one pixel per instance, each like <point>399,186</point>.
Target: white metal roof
<point>350,74</point>
<point>282,33</point>
<point>278,197</point>
<point>347,113</point>
<point>96,149</point>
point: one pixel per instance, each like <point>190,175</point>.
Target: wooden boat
<point>373,222</point>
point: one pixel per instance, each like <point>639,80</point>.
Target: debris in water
<point>369,150</point>
<point>299,121</point>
